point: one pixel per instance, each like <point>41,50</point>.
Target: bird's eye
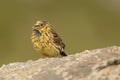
<point>37,33</point>
<point>41,24</point>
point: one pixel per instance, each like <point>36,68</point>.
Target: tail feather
<point>63,53</point>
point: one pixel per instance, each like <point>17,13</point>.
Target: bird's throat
<point>37,33</point>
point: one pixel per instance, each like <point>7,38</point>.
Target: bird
<point>46,41</point>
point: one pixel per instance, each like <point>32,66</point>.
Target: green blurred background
<point>82,24</point>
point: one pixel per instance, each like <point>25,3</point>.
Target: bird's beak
<point>35,28</point>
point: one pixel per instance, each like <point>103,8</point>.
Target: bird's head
<point>39,26</point>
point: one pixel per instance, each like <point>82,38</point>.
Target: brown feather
<point>57,39</point>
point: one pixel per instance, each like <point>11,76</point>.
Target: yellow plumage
<point>46,41</point>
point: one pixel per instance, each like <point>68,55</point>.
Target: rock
<point>106,70</point>
<point>98,64</point>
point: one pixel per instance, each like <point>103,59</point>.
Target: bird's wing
<point>56,39</point>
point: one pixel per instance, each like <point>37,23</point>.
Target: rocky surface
<point>98,64</point>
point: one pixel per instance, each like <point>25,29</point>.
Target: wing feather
<point>57,39</point>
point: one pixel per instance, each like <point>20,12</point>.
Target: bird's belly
<point>47,49</point>
<point>50,51</point>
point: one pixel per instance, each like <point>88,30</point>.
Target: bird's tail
<point>63,53</point>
